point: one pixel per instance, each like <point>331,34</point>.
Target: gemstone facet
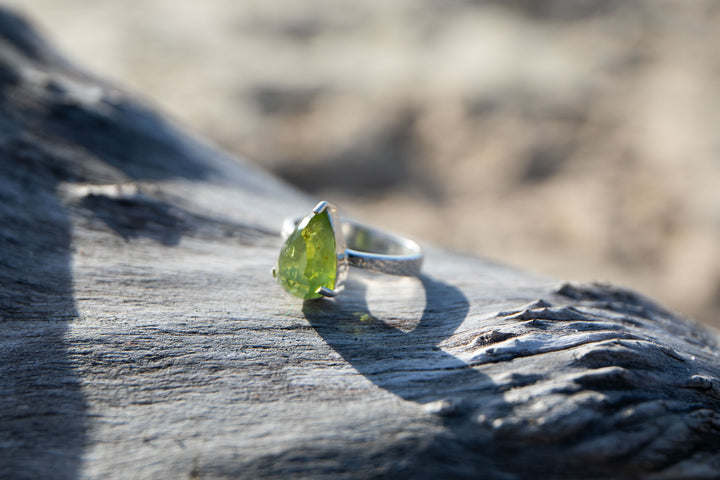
<point>308,259</point>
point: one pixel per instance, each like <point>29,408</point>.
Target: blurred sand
<point>579,139</point>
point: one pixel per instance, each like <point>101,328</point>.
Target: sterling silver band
<point>373,249</point>
<point>381,251</point>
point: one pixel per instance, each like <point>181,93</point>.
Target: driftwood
<point>142,336</point>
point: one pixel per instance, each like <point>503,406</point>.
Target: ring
<point>316,255</point>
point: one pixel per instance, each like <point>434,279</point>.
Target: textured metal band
<point>373,249</point>
<point>381,251</point>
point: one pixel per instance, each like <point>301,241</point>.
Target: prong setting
<point>320,207</point>
<point>341,271</point>
<point>326,292</point>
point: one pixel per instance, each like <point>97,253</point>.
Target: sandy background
<point>579,139</point>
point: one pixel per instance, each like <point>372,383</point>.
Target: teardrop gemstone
<point>308,259</point>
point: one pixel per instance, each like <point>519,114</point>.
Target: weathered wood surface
<point>141,334</point>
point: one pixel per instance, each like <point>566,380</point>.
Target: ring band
<point>314,260</point>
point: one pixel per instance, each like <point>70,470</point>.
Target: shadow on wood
<point>43,408</point>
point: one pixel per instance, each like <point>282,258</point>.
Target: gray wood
<point>142,336</point>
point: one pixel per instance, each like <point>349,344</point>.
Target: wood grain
<point>142,336</point>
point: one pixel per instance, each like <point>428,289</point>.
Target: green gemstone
<point>307,260</point>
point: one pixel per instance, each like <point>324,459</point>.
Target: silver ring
<point>314,260</point>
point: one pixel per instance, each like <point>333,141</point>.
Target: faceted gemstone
<point>307,260</point>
